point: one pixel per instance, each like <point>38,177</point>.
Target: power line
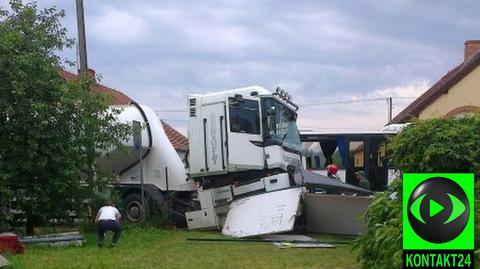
<point>356,101</point>
<point>342,102</point>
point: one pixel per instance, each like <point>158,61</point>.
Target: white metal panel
<point>196,157</point>
<point>214,125</point>
<point>280,158</point>
<point>255,186</point>
<point>243,154</point>
<point>205,198</point>
<point>266,213</point>
<point>274,157</point>
<point>217,96</point>
<point>222,195</point>
<point>201,219</point>
<point>277,182</point>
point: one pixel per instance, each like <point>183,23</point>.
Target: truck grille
<point>193,110</point>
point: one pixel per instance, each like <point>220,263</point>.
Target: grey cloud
<point>158,51</point>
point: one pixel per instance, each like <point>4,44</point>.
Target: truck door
<point>245,142</point>
<point>214,137</point>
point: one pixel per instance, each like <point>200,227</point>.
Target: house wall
<point>461,98</point>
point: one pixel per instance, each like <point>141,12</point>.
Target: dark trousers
<point>110,225</point>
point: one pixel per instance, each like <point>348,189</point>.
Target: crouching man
<point>108,218</point>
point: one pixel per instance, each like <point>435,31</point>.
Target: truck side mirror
<point>271,111</point>
<point>272,124</point>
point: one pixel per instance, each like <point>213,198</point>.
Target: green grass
<point>159,248</point>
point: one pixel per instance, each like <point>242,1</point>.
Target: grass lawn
<point>156,248</point>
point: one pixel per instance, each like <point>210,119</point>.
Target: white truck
<point>243,143</point>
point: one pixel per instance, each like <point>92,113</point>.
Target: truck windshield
<point>280,124</point>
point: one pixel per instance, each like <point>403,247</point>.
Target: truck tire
<point>133,207</point>
<point>179,218</point>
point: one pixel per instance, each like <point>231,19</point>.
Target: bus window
<point>356,153</point>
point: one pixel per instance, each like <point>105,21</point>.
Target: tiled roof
<point>441,87</point>
<point>118,97</point>
<point>179,141</point>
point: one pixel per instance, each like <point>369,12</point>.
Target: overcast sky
<point>158,51</point>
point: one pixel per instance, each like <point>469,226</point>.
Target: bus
<point>351,151</point>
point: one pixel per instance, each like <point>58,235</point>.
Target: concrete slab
<point>336,214</point>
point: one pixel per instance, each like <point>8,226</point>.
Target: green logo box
<point>438,211</point>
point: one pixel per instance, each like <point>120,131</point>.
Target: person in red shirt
<point>332,170</point>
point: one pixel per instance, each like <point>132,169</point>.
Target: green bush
<point>477,220</point>
<point>381,245</point>
<point>437,145</point>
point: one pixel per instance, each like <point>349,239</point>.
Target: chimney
<point>91,74</point>
<point>471,48</point>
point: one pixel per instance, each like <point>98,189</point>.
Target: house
<point>455,94</point>
<point>119,98</point>
<point>179,141</point>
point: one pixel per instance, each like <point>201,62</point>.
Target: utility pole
<point>82,43</point>
<point>390,108</point>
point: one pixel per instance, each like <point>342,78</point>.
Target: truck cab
<point>241,135</point>
<point>242,142</point>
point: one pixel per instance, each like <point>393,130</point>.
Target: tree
<point>52,130</point>
<point>436,145</point>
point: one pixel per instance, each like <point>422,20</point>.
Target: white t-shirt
<point>108,213</point>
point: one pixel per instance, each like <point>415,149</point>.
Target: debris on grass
<point>284,245</point>
<point>3,261</point>
<point>302,241</point>
<point>58,240</point>
<point>281,240</point>
<point>9,242</point>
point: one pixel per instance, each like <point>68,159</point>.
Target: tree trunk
<point>30,225</point>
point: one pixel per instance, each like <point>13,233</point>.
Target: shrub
<point>381,245</point>
<point>436,145</point>
<point>51,130</point>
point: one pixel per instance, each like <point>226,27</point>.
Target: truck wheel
<point>133,207</point>
<point>181,204</point>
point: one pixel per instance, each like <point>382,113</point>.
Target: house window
<point>357,153</point>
